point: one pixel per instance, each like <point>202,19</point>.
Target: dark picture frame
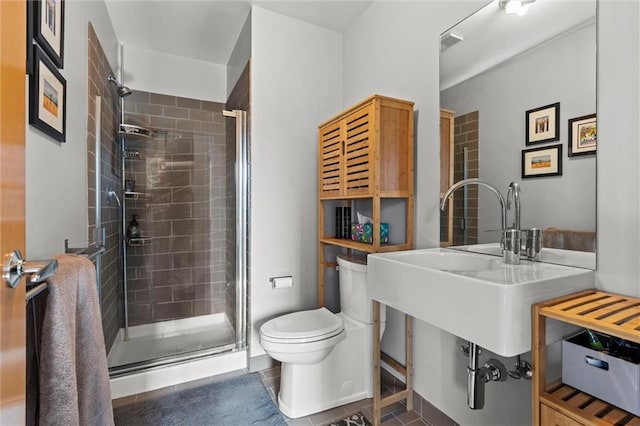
<point>47,97</point>
<point>542,124</point>
<point>543,161</point>
<point>583,135</point>
<point>45,27</point>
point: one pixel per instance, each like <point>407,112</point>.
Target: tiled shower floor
<point>152,341</point>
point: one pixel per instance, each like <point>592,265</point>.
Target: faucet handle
<point>511,251</point>
<point>534,243</point>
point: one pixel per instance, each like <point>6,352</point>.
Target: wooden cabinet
<point>561,404</point>
<point>366,162</point>
<point>366,156</point>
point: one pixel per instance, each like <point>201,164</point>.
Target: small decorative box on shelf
<point>363,232</point>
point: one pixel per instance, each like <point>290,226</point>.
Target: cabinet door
<point>551,417</point>
<point>359,141</point>
<point>331,159</point>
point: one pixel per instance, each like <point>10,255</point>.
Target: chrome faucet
<point>514,193</point>
<point>510,239</point>
<point>476,181</point>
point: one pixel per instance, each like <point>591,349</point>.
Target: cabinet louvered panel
<point>330,160</point>
<point>358,152</point>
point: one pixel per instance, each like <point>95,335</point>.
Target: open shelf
<point>607,313</point>
<point>365,247</point>
<point>131,154</point>
<point>132,195</point>
<point>137,131</point>
<point>584,408</point>
<point>138,241</point>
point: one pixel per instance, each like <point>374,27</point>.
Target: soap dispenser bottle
<point>133,231</point>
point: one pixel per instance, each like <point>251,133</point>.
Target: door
<point>12,207</point>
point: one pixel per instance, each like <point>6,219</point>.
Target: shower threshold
<point>157,344</point>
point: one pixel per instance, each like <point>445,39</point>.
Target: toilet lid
<point>304,324</point>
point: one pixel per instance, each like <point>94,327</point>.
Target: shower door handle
<point>15,267</point>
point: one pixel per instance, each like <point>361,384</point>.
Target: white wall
<point>502,96</point>
<point>56,173</point>
<point>239,56</point>
<point>618,127</point>
<point>158,72</point>
<point>296,83</point>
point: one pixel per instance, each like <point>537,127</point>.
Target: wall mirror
<point>518,103</point>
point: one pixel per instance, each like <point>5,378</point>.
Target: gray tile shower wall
<point>466,130</point>
<point>98,71</point>
<point>182,174</point>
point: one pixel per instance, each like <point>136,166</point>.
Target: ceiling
<point>491,37</point>
<point>207,30</point>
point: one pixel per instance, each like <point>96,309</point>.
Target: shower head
<point>122,90</point>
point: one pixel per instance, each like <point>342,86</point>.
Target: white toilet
<point>327,359</point>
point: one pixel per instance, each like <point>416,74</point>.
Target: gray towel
<point>74,377</point>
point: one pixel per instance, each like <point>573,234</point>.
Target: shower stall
<point>170,208</point>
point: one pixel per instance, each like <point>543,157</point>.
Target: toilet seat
<point>302,327</point>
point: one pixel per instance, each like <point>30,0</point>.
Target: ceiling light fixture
<point>518,7</point>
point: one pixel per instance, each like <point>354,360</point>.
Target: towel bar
<point>36,291</point>
<point>15,267</point>
<point>91,251</point>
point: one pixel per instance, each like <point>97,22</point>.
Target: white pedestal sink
<point>470,295</point>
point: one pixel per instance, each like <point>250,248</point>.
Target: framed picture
<point>544,161</point>
<point>583,136</point>
<point>45,26</point>
<point>543,124</point>
<point>47,97</point>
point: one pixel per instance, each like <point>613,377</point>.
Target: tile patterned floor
<point>395,414</point>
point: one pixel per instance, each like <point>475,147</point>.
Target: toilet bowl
<point>326,358</point>
<point>305,337</point>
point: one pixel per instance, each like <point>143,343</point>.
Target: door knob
<point>15,267</point>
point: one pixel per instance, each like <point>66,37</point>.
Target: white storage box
<point>612,375</point>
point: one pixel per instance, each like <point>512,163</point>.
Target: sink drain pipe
<point>492,371</point>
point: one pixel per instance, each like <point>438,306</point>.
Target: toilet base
<point>345,376</point>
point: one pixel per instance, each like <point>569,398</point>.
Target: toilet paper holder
<point>284,281</point>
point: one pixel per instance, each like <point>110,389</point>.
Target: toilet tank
<point>353,290</point>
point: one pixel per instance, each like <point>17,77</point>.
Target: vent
<point>449,39</point>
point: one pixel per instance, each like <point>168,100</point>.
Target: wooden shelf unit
<point>558,403</point>
<point>367,153</point>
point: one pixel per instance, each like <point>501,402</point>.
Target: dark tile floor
<point>395,414</point>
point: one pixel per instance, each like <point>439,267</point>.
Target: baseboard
<point>174,374</point>
<point>260,362</point>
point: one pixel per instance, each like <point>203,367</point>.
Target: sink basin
<point>473,296</point>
